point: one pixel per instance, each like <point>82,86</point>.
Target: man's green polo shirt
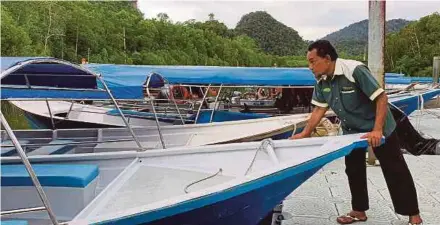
<point>350,93</point>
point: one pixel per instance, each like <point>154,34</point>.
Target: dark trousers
<point>397,176</point>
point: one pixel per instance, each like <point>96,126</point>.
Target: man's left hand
<point>374,138</point>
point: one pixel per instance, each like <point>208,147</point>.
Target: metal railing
<point>31,173</point>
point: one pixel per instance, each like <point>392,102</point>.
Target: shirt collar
<point>338,71</point>
<point>338,68</point>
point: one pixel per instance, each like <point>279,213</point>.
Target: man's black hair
<point>324,48</point>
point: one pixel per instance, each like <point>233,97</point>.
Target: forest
<point>117,32</point>
<point>411,50</point>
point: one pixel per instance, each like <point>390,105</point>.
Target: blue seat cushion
<point>53,175</point>
<point>14,222</point>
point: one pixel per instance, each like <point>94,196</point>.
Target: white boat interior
<point>63,110</point>
<point>66,141</point>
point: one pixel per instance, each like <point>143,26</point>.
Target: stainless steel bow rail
<point>46,205</point>
<point>30,170</point>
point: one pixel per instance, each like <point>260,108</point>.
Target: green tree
<point>411,50</point>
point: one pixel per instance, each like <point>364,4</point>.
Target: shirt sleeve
<point>366,82</point>
<point>318,98</point>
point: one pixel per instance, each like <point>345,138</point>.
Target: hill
<point>353,38</point>
<point>271,35</point>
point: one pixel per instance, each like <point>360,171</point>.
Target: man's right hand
<point>298,136</point>
<point>315,118</point>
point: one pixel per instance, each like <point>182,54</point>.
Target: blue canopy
<point>46,77</point>
<point>125,81</point>
<point>407,80</point>
<point>207,74</point>
<point>394,74</point>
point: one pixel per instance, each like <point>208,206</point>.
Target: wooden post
<point>376,47</point>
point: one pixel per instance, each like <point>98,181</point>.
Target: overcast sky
<point>312,20</point>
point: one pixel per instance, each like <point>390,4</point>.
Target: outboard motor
<point>410,138</point>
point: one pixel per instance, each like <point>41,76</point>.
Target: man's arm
<point>315,118</point>
<point>369,85</point>
<point>381,112</point>
<point>321,107</point>
<point>375,136</point>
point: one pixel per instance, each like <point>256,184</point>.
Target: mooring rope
<point>206,178</point>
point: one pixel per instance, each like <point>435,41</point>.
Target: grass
<point>14,116</point>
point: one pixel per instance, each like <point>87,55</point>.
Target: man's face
<point>318,65</point>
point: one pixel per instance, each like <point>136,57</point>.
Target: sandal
<point>349,219</point>
<point>410,223</point>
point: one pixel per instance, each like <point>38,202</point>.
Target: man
<point>349,89</point>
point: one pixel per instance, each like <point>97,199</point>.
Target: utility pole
<point>376,47</point>
<point>376,39</point>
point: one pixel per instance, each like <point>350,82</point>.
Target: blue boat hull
<point>244,204</point>
<point>408,105</point>
<point>249,208</point>
<point>224,116</point>
<point>413,103</point>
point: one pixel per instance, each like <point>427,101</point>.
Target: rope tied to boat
<point>327,128</point>
<point>262,146</point>
<point>220,170</point>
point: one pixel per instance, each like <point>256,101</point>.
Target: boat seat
<point>50,175</point>
<point>9,151</point>
<point>14,222</point>
<point>53,149</point>
<point>69,188</point>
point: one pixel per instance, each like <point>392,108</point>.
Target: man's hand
<point>374,138</point>
<point>298,136</point>
<point>313,121</point>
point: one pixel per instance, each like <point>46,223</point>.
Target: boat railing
<point>167,112</point>
<point>207,87</point>
<point>33,176</point>
<point>48,88</point>
<point>18,147</point>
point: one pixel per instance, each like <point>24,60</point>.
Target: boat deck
<point>326,195</point>
<point>166,183</point>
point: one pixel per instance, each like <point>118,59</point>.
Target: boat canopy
<point>126,81</point>
<point>408,80</point>
<point>46,77</point>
